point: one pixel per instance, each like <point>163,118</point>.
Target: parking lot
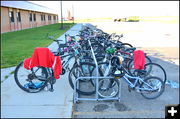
<point>161,42</point>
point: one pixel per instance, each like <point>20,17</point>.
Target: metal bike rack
<point>97,77</point>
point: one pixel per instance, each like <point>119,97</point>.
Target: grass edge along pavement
<point>18,45</point>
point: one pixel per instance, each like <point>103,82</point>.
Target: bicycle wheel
<point>108,88</point>
<point>124,46</point>
<point>85,69</point>
<point>153,69</point>
<point>31,81</point>
<point>104,69</point>
<point>152,87</point>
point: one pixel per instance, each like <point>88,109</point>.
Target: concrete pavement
<point>15,103</point>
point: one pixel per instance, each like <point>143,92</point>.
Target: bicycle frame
<point>65,63</point>
<point>133,85</point>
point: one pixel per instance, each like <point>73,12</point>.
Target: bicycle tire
<point>111,88</point>
<point>159,93</point>
<point>71,81</point>
<point>113,84</point>
<point>101,70</point>
<point>159,73</point>
<point>19,83</point>
<point>126,45</point>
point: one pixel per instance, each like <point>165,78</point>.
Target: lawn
<point>18,45</point>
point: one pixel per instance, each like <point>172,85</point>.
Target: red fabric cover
<point>139,59</point>
<point>45,58</point>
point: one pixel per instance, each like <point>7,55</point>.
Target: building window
<point>11,15</point>
<point>41,17</point>
<point>54,17</point>
<point>30,16</point>
<point>44,18</point>
<point>18,16</point>
<point>49,17</point>
<point>34,16</point>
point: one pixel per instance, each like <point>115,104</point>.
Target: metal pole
<point>97,71</point>
<point>73,12</point>
<point>61,15</point>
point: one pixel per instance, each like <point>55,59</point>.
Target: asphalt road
<point>159,43</point>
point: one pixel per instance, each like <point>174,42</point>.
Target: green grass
<point>18,45</point>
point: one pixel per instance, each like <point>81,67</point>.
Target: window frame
<point>44,16</point>
<point>49,17</point>
<point>11,16</point>
<point>18,16</point>
<point>41,17</point>
<point>34,16</point>
<point>30,17</point>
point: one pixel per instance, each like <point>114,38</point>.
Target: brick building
<point>18,15</point>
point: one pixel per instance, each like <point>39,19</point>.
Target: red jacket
<point>45,58</point>
<point>139,59</point>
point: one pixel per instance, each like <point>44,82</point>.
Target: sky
<point>98,9</point>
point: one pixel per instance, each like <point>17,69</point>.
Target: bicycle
<point>37,78</point>
<point>146,85</point>
<point>34,80</point>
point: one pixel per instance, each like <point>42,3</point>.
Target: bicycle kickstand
<point>51,89</point>
<point>52,81</point>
